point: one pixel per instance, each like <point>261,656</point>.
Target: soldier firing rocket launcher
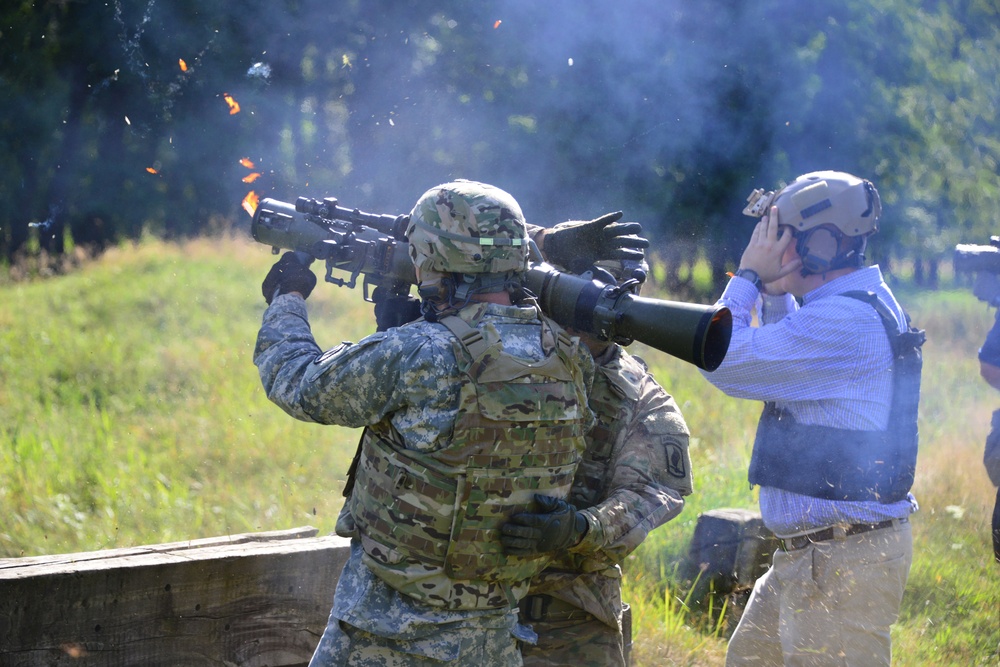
<point>374,246</point>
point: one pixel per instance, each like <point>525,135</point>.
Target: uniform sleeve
<point>349,385</point>
<point>650,475</point>
<point>588,371</point>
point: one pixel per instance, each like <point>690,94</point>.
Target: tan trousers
<point>830,603</point>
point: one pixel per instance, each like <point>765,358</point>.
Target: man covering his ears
<point>837,366</point>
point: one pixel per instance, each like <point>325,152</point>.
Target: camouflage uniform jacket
<point>407,378</point>
<point>634,475</point>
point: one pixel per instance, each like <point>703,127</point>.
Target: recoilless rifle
<point>374,246</point>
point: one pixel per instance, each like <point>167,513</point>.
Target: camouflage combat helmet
<point>467,227</point>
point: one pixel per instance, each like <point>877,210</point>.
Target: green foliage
<point>131,413</point>
<point>669,111</point>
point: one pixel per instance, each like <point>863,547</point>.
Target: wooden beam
<point>247,600</point>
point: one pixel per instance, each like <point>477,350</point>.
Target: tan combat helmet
<point>831,212</point>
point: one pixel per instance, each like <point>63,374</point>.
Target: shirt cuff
<point>741,293</point>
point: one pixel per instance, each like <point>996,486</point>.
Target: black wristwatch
<point>751,275</point>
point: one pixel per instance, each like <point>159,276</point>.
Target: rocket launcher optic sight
<point>374,245</point>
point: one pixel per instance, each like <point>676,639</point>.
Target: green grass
<point>131,413</point>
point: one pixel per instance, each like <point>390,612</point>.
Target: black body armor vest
<point>842,464</point>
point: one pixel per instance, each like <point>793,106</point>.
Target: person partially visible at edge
<point>838,368</point>
<point>471,414</point>
<point>987,288</point>
<point>634,476</point>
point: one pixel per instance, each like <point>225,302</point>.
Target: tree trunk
<point>62,184</point>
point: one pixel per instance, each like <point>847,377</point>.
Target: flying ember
<point>234,107</point>
<point>250,202</point>
<point>247,162</point>
<point>250,178</point>
<point>184,65</point>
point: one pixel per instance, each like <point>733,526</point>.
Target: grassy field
<point>131,413</point>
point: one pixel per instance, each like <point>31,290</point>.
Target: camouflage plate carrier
<point>429,522</point>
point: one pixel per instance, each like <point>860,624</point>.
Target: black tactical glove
<point>290,274</point>
<point>393,311</point>
<point>555,526</point>
<point>577,244</point>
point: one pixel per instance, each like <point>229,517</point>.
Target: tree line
<point>137,116</point>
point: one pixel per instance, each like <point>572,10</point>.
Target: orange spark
<point>246,162</point>
<point>234,107</point>
<point>497,24</point>
<point>250,202</point>
<point>250,178</point>
<point>184,65</point>
<point>151,170</point>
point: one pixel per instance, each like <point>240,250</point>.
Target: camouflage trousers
<point>573,639</point>
<point>343,645</point>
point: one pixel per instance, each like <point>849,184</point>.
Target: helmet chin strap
<point>815,261</point>
<point>467,284</point>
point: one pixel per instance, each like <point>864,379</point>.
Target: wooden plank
<point>225,601</point>
<point>105,554</point>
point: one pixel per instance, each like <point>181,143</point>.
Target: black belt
<point>827,534</point>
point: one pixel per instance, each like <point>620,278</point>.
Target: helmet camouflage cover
<point>467,227</point>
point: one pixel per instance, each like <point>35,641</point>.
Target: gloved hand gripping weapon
<point>374,246</point>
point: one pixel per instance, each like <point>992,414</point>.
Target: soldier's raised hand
<point>576,244</point>
<point>289,274</point>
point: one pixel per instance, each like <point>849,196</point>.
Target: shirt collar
<point>864,279</point>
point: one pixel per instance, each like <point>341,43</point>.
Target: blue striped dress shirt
<point>828,363</point>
